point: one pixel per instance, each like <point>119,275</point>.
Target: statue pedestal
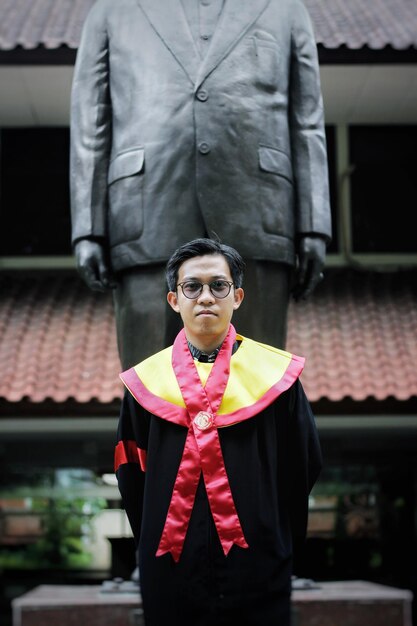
<point>352,603</point>
<point>75,605</point>
<point>345,603</point>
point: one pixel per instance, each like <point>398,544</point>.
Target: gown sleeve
<point>130,459</point>
<point>305,463</point>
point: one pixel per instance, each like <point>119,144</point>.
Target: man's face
<point>206,318</point>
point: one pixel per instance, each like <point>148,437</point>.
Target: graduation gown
<point>271,453</point>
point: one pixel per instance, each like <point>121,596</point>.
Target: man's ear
<point>239,295</point>
<point>173,301</point>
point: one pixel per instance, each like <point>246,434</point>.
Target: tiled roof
<point>357,23</point>
<point>57,341</point>
<point>358,333</point>
<point>48,23</point>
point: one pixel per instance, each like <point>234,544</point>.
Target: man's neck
<point>206,345</point>
<point>202,355</point>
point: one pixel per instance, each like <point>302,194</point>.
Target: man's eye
<point>192,286</point>
<point>219,284</point>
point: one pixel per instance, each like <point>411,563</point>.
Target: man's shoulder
<point>264,350</point>
<point>261,367</point>
<point>151,373</point>
<point>157,360</point>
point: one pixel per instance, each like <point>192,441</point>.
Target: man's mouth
<point>205,312</point>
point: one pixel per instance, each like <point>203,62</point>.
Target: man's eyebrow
<point>211,278</point>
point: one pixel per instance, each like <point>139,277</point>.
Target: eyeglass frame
<point>231,284</point>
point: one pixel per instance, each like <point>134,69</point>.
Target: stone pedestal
<point>352,603</point>
<point>77,605</point>
<point>345,603</point>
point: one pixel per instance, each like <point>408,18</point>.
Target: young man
<point>217,454</point>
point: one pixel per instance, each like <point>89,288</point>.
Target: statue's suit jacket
<point>166,145</point>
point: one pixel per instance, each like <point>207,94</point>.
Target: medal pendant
<point>203,420</point>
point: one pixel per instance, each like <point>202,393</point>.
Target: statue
<point>191,120</point>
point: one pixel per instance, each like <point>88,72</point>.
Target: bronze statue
<point>193,119</point>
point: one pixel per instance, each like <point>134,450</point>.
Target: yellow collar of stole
<point>254,369</point>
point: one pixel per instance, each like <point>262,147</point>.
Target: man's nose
<point>206,295</point>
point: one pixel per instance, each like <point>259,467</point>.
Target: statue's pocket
<point>268,58</point>
<point>276,192</point>
<point>125,190</point>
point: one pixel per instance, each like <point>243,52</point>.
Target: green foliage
<point>67,528</point>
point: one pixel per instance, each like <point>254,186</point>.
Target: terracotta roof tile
<point>57,341</point>
<point>358,333</point>
<point>373,23</point>
<point>50,23</point>
<point>359,336</point>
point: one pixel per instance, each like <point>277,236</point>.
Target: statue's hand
<point>92,265</point>
<point>311,258</point>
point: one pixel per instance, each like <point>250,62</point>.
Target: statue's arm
<point>90,133</point>
<point>309,155</point>
<point>93,265</point>
<point>311,257</point>
<point>90,130</point>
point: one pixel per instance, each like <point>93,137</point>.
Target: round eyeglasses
<point>192,288</point>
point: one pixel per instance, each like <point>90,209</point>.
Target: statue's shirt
<point>202,19</point>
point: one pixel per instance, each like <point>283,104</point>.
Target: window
<point>383,188</point>
<point>34,192</point>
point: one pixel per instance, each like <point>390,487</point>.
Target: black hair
<point>200,247</point>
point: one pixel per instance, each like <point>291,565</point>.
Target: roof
<point>358,23</point>
<point>357,331</point>
<point>48,23</point>
<point>354,24</point>
<point>57,341</point>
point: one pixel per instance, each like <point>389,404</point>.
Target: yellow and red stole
<point>204,397</point>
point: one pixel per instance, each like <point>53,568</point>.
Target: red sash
<point>202,452</point>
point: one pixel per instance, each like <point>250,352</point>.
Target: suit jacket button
<point>204,148</point>
<point>202,95</point>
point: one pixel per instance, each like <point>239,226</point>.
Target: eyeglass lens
<point>219,288</point>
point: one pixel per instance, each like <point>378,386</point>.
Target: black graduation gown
<point>272,461</point>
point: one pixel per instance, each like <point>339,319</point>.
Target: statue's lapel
<point>236,18</point>
<point>169,21</point>
<point>172,27</point>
